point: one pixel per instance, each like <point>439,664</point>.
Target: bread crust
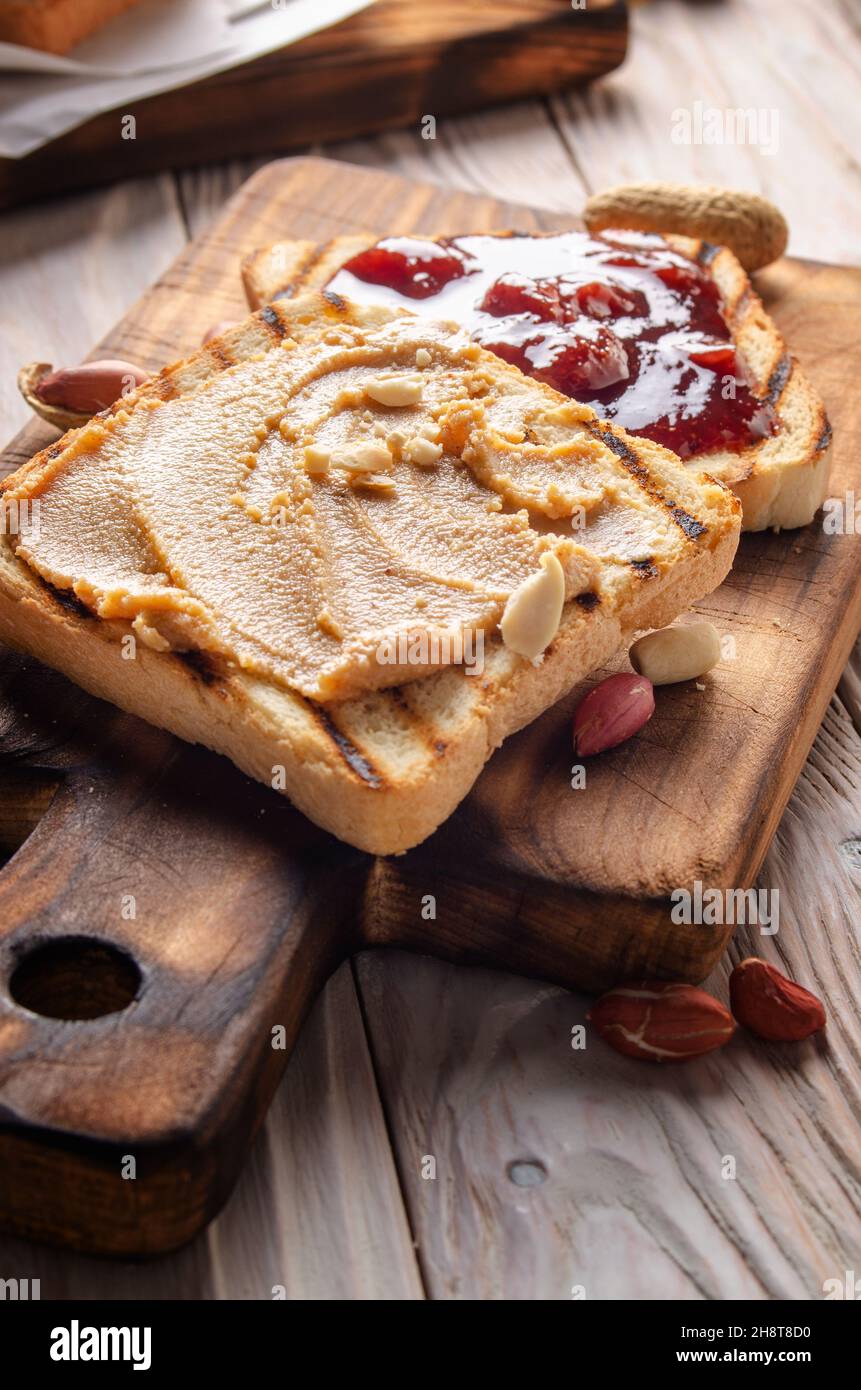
<point>781,482</point>
<point>384,770</point>
<point>55,26</point>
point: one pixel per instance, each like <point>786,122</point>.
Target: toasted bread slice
<point>383,769</point>
<point>55,26</point>
<point>781,481</point>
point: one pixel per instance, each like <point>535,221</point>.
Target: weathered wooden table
<point>548,1174</point>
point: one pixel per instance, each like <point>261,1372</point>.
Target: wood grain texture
<point>624,1165</point>
<point>823,817</point>
<point>317,1213</point>
<point>502,153</point>
<point>531,880</point>
<point>70,271</point>
<point>130,853</point>
<point>478,1095</point>
<point>795,66</point>
<point>386,66</point>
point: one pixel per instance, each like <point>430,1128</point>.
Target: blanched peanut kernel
<point>395,390</point>
<point>363,458</point>
<point>533,612</point>
<point>316,460</point>
<point>676,653</point>
<point>422,451</point>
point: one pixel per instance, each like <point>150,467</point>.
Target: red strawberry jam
<point>603,301</point>
<point>517,294</point>
<point>415,268</point>
<point>618,321</point>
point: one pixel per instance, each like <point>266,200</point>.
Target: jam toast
<point>664,336</point>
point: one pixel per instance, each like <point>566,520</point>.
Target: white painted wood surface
<point>554,1168</point>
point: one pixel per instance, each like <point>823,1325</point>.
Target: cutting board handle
<point>165,928</point>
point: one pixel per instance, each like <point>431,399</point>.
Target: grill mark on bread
<point>634,465</point>
<point>221,354</point>
<point>313,258</point>
<point>272,319</point>
<point>352,756</point>
<point>201,665</point>
<point>335,300</point>
<point>692,528</point>
<point>778,380</point>
<point>825,438</point>
<point>644,569</point>
<point>746,467</point>
<point>588,600</point>
<point>419,726</point>
<point>163,385</point>
<point>618,446</point>
<point>742,307</point>
<point>302,273</point>
<point>68,600</point>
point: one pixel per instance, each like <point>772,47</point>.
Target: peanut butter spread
<point>293,513</point>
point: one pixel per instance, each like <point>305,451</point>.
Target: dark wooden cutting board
<point>389,65</point>
<point>154,880</point>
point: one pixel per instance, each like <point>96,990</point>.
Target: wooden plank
<point>316,1214</point>
<point>518,902</point>
<point>69,270</point>
<point>849,688</point>
<point>322,1215</point>
<point>629,1198</point>
<point>798,61</point>
<point>500,153</point>
<point>386,66</point>
<point>204,189</point>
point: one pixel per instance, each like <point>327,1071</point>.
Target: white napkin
<point>154,47</point>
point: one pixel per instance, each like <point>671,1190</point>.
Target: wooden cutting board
<point>390,65</point>
<point>155,881</point>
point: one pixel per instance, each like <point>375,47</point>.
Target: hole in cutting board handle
<point>75,977</point>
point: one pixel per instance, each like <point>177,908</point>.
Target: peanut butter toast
<point>321,540</point>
